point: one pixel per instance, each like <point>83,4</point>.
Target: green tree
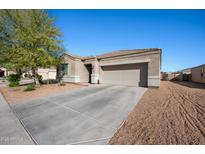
<point>29,39</point>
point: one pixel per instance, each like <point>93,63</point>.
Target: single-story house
<point>198,74</point>
<point>182,75</point>
<point>186,71</point>
<point>186,74</point>
<point>46,73</point>
<point>5,72</point>
<point>168,76</point>
<point>139,67</point>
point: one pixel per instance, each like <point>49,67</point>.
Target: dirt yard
<point>17,94</point>
<point>171,114</point>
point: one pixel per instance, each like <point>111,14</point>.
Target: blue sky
<point>180,33</point>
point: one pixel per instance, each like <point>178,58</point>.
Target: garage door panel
<point>124,75</point>
<point>112,77</point>
<point>130,77</point>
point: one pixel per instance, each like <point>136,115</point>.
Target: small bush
<point>13,77</point>
<point>13,83</point>
<point>13,80</point>
<point>30,87</point>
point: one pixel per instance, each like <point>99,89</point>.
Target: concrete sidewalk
<point>11,130</point>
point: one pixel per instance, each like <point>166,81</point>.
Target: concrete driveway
<point>84,116</point>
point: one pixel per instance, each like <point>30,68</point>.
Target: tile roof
<point>117,53</point>
<point>126,52</point>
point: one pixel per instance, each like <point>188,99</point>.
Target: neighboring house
<point>186,71</point>
<point>47,73</point>
<point>183,75</point>
<point>140,67</point>
<point>186,74</point>
<point>167,76</point>
<point>198,74</point>
<point>5,72</point>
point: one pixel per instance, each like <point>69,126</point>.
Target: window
<point>64,68</point>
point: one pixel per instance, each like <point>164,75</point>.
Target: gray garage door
<point>129,74</point>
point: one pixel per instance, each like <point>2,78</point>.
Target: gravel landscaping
<point>172,114</point>
<point>17,94</point>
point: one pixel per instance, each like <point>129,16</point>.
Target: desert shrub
<point>13,77</point>
<point>30,87</point>
<point>13,80</point>
<point>14,84</point>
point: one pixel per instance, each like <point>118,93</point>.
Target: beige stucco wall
<point>72,64</point>
<point>196,74</point>
<point>82,71</point>
<point>47,73</point>
<point>78,69</point>
<point>153,64</point>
